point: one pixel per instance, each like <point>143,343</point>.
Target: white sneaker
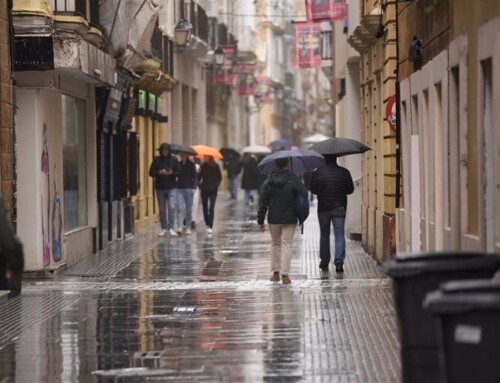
<point>162,233</point>
<point>179,231</point>
<point>209,230</point>
<point>188,232</point>
<point>173,233</point>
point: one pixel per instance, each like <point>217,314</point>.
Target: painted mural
<point>45,196</point>
<point>57,225</point>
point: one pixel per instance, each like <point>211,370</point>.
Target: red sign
<point>246,79</point>
<point>224,74</point>
<point>308,45</point>
<point>319,10</point>
<point>390,112</point>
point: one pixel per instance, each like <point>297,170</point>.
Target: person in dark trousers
<point>332,183</point>
<point>187,180</point>
<point>164,170</point>
<point>251,178</point>
<point>278,199</point>
<point>209,180</point>
<point>11,256</point>
<point>233,168</point>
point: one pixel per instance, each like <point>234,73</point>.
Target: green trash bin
<point>414,276</point>
<point>469,328</point>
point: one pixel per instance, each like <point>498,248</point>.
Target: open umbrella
<point>256,149</point>
<point>230,153</point>
<point>204,150</point>
<point>276,144</point>
<point>301,161</point>
<point>179,148</point>
<point>339,146</point>
<point>315,138</point>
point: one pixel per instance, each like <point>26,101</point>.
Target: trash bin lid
<point>462,296</point>
<point>407,265</point>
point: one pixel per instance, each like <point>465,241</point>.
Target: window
<point>75,163</point>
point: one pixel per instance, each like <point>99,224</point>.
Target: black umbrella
<point>230,153</point>
<point>178,148</point>
<point>339,146</point>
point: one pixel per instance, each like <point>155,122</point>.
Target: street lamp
<point>219,56</point>
<point>182,33</point>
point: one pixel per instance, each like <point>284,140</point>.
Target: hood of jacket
<point>279,177</point>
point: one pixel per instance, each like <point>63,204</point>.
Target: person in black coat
<point>332,183</point>
<point>210,178</point>
<point>233,167</point>
<point>11,256</point>
<point>251,179</point>
<point>164,170</point>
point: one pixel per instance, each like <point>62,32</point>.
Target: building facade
<point>58,65</point>
<point>374,38</point>
<point>450,127</point>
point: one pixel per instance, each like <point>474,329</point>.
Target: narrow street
<point>201,309</point>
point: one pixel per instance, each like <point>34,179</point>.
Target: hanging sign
<point>307,45</point>
<point>246,79</point>
<point>322,10</point>
<point>390,112</point>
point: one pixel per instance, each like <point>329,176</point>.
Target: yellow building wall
<point>377,86</point>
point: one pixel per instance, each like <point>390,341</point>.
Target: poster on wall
<point>246,79</point>
<point>322,10</point>
<point>225,73</point>
<point>307,45</point>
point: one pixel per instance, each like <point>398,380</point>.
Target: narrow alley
<point>201,309</point>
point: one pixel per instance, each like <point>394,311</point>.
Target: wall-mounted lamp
<point>415,50</point>
<point>219,56</point>
<point>182,33</point>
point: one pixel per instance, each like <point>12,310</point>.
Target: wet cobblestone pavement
<point>201,309</point>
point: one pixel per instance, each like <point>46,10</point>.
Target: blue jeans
<point>250,195</point>
<point>233,187</point>
<point>167,197</point>
<point>325,220</point>
<point>184,201</point>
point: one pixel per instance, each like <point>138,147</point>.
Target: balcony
<point>79,16</point>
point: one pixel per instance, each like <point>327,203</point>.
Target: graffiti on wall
<point>56,224</point>
<point>45,196</point>
<point>52,224</point>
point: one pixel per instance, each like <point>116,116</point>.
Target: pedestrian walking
<point>11,256</point>
<point>233,168</point>
<point>196,196</point>
<point>278,199</point>
<point>209,181</point>
<point>164,169</point>
<point>250,179</point>
<point>186,185</point>
<point>332,183</point>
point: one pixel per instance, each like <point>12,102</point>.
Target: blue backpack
<point>302,210</point>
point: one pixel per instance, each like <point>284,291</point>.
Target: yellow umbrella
<point>204,150</point>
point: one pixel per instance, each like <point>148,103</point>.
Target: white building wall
<point>41,105</point>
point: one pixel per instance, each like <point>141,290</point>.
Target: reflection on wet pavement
<point>200,309</point>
